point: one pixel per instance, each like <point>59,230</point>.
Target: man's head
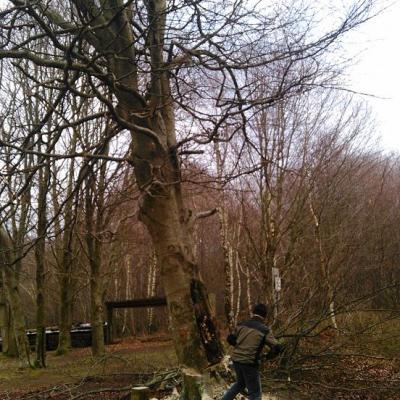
<point>260,310</point>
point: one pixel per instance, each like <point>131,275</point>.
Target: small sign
<point>277,279</point>
<point>278,284</point>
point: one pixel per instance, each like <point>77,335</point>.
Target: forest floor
<point>138,361</point>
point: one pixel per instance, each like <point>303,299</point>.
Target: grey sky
<point>376,70</point>
<point>376,46</point>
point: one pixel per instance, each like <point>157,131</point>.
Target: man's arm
<point>275,347</point>
<point>232,338</point>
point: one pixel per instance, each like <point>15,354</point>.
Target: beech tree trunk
<point>9,344</point>
<point>4,319</point>
<point>193,328</point>
<point>10,281</point>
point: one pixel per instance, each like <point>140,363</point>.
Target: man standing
<point>249,339</point>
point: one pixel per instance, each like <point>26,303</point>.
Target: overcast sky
<point>378,71</point>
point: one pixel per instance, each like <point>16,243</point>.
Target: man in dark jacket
<point>249,339</point>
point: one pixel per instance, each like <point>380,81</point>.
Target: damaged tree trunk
<point>193,328</point>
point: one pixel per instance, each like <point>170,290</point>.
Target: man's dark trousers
<point>247,376</point>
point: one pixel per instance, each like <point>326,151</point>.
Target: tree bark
<point>151,290</point>
<point>223,232</point>
<point>188,304</point>
<point>40,256</point>
<point>65,257</point>
<point>4,320</point>
<point>10,281</point>
<point>94,210</point>
<point>324,265</point>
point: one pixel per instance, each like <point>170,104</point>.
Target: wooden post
<point>140,393</point>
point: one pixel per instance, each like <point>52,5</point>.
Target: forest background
<point>227,130</point>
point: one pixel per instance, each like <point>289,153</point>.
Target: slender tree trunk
<point>97,311</point>
<point>323,262</point>
<point>66,259</point>
<point>94,212</point>
<point>151,290</point>
<point>127,292</point>
<point>40,255</point>
<point>223,232</point>
<point>64,339</point>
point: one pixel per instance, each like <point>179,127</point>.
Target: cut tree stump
<point>140,393</point>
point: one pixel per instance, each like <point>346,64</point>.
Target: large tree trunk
<point>10,281</point>
<point>8,345</point>
<point>193,328</point>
